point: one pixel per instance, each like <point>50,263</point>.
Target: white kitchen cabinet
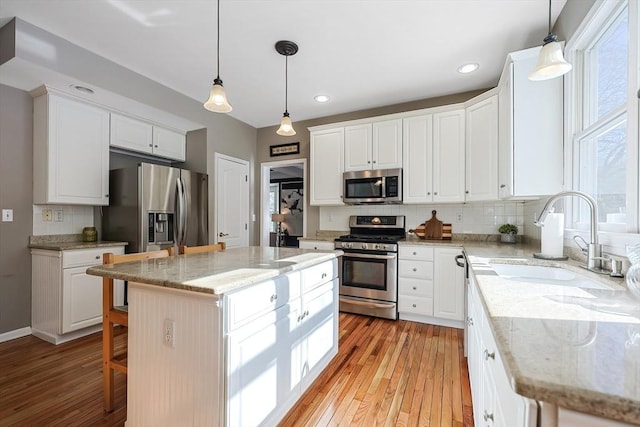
<point>274,358</point>
<point>494,401</point>
<point>430,285</point>
<point>417,159</point>
<point>433,158</point>
<point>66,302</point>
<point>327,167</point>
<point>448,156</point>
<point>143,137</point>
<point>482,150</point>
<point>70,151</point>
<point>448,278</point>
<point>376,145</point>
<point>317,245</point>
<point>530,130</point>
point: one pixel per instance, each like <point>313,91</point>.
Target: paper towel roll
<point>553,235</point>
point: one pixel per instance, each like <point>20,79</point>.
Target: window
<point>274,203</point>
<point>599,113</point>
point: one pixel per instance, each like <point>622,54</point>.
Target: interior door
<point>232,201</point>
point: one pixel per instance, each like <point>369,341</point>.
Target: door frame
<point>217,157</point>
<point>265,178</point>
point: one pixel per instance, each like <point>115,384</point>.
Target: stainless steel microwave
<point>382,186</point>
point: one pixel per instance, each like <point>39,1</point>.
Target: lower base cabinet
<point>430,285</point>
<point>240,359</point>
<point>66,302</point>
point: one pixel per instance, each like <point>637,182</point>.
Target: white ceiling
<point>362,53</point>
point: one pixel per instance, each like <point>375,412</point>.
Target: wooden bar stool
<point>112,315</point>
<point>220,246</point>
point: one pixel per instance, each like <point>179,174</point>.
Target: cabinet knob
<point>415,288</point>
<point>487,416</point>
<point>368,162</point>
<point>502,185</point>
<point>466,192</point>
<point>428,193</point>
<point>150,145</point>
<point>415,253</point>
<point>155,146</point>
<point>324,275</point>
<point>414,306</point>
<point>106,195</point>
<point>374,161</point>
<point>415,269</point>
<point>435,193</point>
<point>488,355</point>
<point>97,256</point>
<point>315,247</point>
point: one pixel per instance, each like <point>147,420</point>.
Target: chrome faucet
<point>593,250</point>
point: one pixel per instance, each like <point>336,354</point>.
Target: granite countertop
<point>216,272</point>
<point>65,246</point>
<point>573,347</point>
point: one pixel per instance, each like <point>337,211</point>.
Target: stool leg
<point>107,344</point>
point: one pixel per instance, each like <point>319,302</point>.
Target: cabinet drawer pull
<point>415,288</point>
<point>324,275</point>
<point>273,297</point>
<point>502,185</point>
<point>415,253</point>
<point>415,269</point>
<point>414,306</point>
<point>97,256</point>
<point>487,416</point>
<point>488,355</point>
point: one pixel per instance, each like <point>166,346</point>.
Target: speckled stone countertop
<point>573,347</point>
<point>64,242</point>
<point>216,272</point>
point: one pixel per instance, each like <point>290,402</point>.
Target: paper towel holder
<point>550,257</point>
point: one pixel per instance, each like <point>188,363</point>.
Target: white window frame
<point>593,26</point>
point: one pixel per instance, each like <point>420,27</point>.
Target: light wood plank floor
<point>386,373</point>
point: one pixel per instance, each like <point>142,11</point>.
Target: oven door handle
<point>369,304</point>
<point>460,260</point>
<point>369,256</point>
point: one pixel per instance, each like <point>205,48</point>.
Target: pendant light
<point>217,101</point>
<point>286,48</point>
<point>551,63</point>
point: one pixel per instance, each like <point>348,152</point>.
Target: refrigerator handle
<point>184,213</point>
<point>180,221</point>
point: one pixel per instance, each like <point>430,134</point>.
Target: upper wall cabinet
<point>143,137</point>
<point>70,152</point>
<point>375,145</point>
<point>433,158</point>
<point>482,150</point>
<point>327,166</point>
<point>530,130</point>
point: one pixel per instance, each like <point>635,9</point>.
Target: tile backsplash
<point>63,219</point>
<point>475,218</point>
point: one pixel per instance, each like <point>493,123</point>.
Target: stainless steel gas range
<point>369,267</point>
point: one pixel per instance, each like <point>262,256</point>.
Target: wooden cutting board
<point>433,227</point>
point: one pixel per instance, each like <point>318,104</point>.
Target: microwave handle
<point>384,186</point>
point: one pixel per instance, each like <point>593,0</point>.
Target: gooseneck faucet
<point>594,250</point>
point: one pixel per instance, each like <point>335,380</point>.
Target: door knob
<point>221,234</point>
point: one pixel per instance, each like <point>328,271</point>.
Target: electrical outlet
<point>58,215</point>
<point>7,215</point>
<point>459,217</point>
<point>47,215</point>
<point>169,333</point>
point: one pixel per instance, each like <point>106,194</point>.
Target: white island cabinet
<point>250,330</point>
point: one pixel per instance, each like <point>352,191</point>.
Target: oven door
<point>369,275</point>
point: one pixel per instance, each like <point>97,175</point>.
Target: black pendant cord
<point>549,17</point>
<point>218,42</point>
<point>286,84</point>
<point>550,36</point>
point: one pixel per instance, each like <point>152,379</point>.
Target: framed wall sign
<point>284,149</point>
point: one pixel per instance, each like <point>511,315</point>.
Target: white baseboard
<point>18,333</point>
<point>59,339</point>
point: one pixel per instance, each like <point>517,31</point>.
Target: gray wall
<point>267,136</point>
<point>16,192</point>
<point>570,18</point>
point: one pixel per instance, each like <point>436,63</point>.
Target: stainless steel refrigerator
<point>154,207</point>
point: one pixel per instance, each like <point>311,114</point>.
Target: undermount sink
<point>548,276</point>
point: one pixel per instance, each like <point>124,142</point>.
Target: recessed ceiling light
<point>82,89</point>
<point>321,98</point>
<point>468,68</point>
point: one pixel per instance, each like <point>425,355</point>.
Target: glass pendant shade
<point>286,127</point>
<point>217,101</point>
<point>551,63</point>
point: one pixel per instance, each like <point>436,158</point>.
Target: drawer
<point>415,269</point>
<point>415,287</point>
<point>318,245</point>
<point>315,276</point>
<point>423,253</point>
<point>415,305</point>
<point>266,296</point>
<point>87,257</point>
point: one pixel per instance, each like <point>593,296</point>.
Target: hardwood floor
<point>386,373</point>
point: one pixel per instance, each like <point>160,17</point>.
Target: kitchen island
<point>226,338</point>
